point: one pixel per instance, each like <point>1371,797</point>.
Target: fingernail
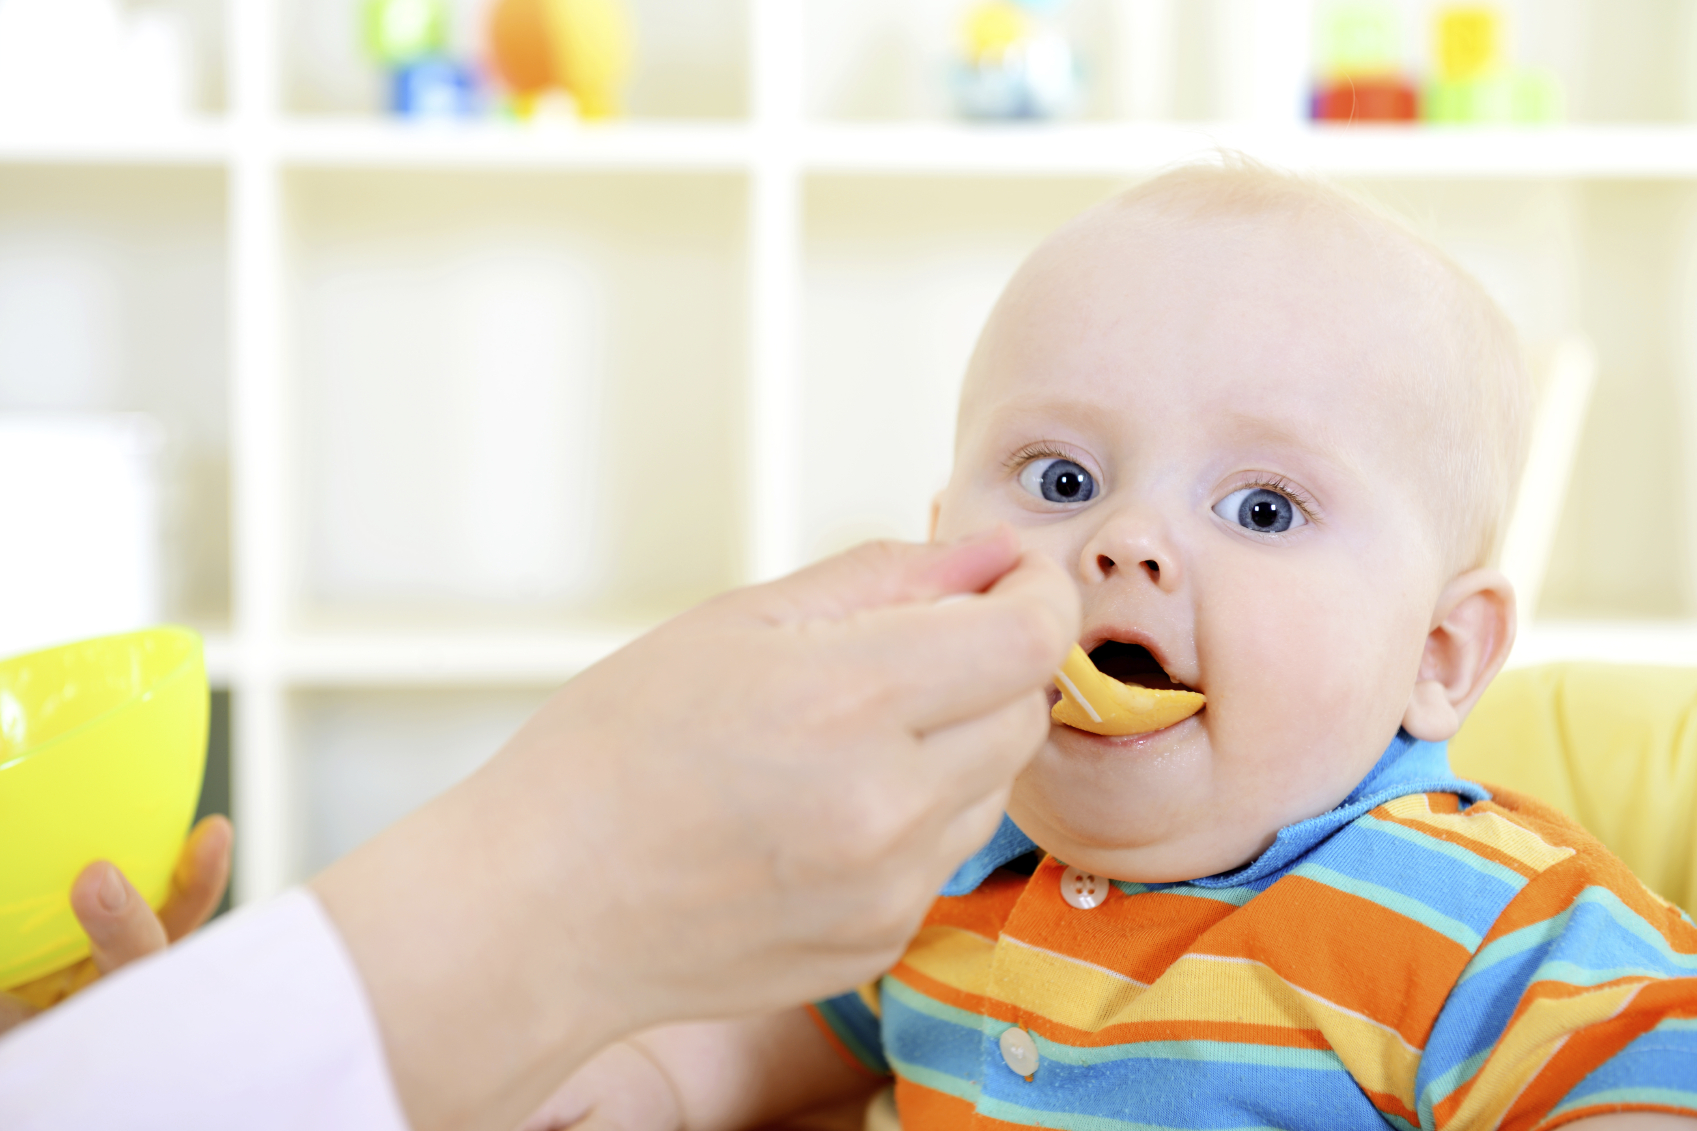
<point>112,893</point>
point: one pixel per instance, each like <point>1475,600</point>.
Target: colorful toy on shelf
<point>580,47</point>
<point>1360,75</point>
<point>410,38</point>
<point>1473,79</point>
<point>1015,62</point>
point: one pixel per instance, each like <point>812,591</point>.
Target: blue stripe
<point>1507,876</point>
<point>857,1027</point>
<point>1187,1093</point>
<point>1663,1060</point>
<point>916,1036</point>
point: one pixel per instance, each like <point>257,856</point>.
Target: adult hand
<point>121,926</point>
<point>751,806</point>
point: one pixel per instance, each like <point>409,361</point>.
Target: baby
<point>1273,437</point>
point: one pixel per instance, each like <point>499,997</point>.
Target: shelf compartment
<point>519,401</point>
<point>113,298</point>
<point>691,60</point>
<point>899,277</point>
<point>361,760</point>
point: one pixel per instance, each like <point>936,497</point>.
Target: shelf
<point>939,148</point>
<point>402,659</point>
<point>206,141</point>
<point>1115,150</point>
<point>636,145</point>
<point>469,659</point>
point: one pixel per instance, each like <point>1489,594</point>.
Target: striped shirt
<point>1426,955</point>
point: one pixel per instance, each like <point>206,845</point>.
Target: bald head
<point>1445,363</point>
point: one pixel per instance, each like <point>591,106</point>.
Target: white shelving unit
<point>956,207</point>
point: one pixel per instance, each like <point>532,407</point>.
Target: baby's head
<point>1273,436</point>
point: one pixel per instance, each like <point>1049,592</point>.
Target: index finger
<point>944,663</point>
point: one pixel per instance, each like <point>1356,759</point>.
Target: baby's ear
<point>1472,631</point>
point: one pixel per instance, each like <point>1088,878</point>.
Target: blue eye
<point>1058,481</point>
<point>1260,509</point>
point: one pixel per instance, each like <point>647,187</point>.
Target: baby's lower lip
<point>1129,739</point>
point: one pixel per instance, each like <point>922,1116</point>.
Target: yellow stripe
<point>1205,987</point>
<point>953,956</point>
<point>872,998</point>
<point>1486,827</point>
<point>1071,991</point>
<point>1528,1045</point>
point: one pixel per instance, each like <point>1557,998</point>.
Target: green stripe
<point>1211,1052</point>
<point>936,1081</point>
<point>931,1007</point>
<point>1574,974</point>
<point>1398,1121</point>
<point>1666,1097</point>
<point>1536,934</point>
<point>1677,1025</point>
<point>1075,1121</point>
<point>1513,943</point>
<point>1457,932</point>
<point>1454,851</point>
<point>1237,897</point>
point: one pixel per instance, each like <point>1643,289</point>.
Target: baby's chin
<point>1161,851</point>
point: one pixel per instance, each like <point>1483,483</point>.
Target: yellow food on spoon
<point>1101,704</point>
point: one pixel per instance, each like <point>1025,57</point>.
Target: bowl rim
<point>193,655</point>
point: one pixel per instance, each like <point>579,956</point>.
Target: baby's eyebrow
<point>1280,434</point>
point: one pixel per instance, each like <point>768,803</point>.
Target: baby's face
<point>1214,431</point>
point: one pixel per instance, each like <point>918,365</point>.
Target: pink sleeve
<point>258,1022</point>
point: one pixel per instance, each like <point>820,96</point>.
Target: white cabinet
<point>451,411</point>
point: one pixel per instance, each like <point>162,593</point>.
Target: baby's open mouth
<point>1133,664</point>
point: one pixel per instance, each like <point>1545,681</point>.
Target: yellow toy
<point>581,46</point>
<point>102,746</point>
<point>1103,705</point>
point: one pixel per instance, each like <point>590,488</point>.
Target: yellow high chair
<point>1612,746</point>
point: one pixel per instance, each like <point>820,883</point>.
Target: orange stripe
<point>1586,1049</point>
<point>1610,1109</point>
<point>923,1109</point>
<point>1558,887</point>
<point>1157,926</point>
<point>982,911</point>
<point>837,1046</point>
<point>1392,1105</point>
<point>1378,963</point>
<point>1136,936</point>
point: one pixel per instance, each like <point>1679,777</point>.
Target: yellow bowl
<point>102,746</point>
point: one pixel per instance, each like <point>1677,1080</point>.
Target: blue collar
<point>1407,766</point>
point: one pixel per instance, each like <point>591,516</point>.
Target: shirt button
<point>1019,1052</point>
<point>1083,890</point>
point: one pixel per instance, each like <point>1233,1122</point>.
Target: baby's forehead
<point>1270,296</point>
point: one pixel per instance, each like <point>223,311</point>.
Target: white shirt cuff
<point>259,1022</point>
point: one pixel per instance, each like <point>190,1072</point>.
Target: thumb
<point>121,926</point>
<point>876,574</point>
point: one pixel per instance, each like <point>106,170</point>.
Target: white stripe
<point>1077,698</point>
<point>1075,961</point>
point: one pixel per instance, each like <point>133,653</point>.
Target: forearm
<point>438,915</point>
<point>733,1075</point>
